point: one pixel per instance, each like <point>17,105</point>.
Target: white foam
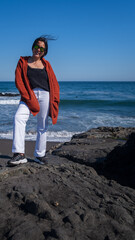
<point>59,136</point>
<point>112,120</point>
<point>9,102</point>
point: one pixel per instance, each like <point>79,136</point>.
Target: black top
<point>38,78</point>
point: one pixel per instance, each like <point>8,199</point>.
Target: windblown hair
<point>43,38</point>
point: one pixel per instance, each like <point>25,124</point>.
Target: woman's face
<point>38,50</point>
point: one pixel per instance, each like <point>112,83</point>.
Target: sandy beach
<point>6,149</point>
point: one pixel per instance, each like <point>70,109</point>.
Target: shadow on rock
<point>120,163</point>
<point>106,150</point>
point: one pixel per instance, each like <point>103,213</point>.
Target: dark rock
<point>120,163</point>
<point>51,233</point>
<point>87,202</point>
<point>90,206</point>
<point>29,207</point>
<point>106,132</point>
<point>91,148</point>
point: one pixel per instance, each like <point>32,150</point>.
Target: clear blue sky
<point>96,38</point>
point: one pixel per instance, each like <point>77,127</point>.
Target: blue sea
<point>83,105</point>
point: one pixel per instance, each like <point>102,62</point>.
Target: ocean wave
<point>112,120</point>
<point>96,103</point>
<point>81,103</point>
<point>9,102</point>
<point>58,136</point>
<point>3,94</point>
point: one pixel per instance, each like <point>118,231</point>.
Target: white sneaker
<point>17,159</point>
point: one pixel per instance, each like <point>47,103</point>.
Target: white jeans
<point>21,118</point>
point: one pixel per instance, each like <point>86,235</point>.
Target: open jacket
<point>28,95</point>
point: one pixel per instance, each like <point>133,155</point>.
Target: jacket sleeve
<point>55,97</point>
<point>19,81</point>
<point>55,87</point>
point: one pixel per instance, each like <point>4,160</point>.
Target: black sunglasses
<point>41,48</point>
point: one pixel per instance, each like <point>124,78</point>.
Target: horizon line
<point>82,81</point>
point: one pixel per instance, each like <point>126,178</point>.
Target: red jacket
<point>28,95</point>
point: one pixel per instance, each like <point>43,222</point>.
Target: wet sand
<point>6,149</point>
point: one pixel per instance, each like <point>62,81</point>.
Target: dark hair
<point>44,39</point>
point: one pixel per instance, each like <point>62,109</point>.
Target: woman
<point>39,89</point>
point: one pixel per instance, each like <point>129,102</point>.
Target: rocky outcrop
<point>91,148</point>
<point>106,150</point>
<point>120,163</point>
<point>67,200</point>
